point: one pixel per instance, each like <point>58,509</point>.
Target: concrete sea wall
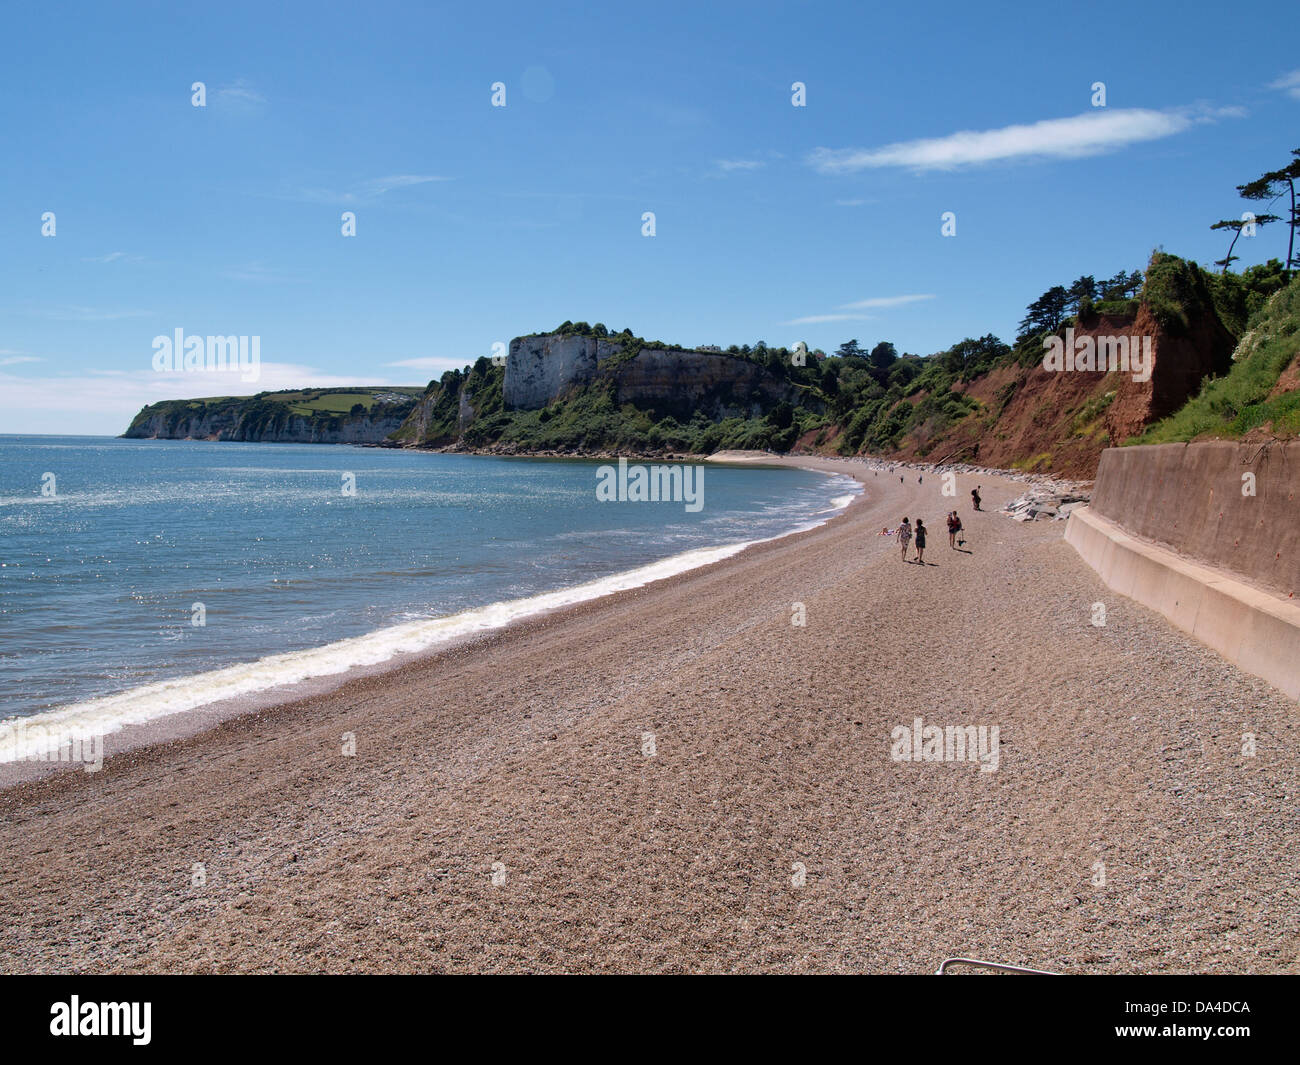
<point>1207,535</point>
<point>1225,503</point>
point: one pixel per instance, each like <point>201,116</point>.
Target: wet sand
<point>679,779</point>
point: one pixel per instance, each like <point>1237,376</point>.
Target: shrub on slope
<point>1247,397</point>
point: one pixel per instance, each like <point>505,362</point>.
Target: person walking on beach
<point>975,496</point>
<point>954,527</point>
<point>904,537</point>
<point>920,542</point>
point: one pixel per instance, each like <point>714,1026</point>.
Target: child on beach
<point>920,542</point>
<point>904,537</point>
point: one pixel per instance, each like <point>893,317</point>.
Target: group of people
<point>907,534</point>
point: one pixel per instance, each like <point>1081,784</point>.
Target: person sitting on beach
<point>920,542</point>
<point>905,536</point>
<point>954,527</point>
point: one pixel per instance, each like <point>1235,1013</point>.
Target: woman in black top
<point>920,542</point>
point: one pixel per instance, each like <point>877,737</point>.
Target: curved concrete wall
<point>1197,499</point>
<point>1253,629</point>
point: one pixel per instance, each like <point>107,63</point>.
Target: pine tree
<point>1272,186</point>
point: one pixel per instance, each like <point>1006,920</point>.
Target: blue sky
<point>477,223</point>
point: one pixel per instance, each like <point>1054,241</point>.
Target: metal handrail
<point>1001,967</point>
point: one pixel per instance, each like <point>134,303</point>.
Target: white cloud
<point>105,401</point>
<point>847,311</point>
<point>240,91</point>
<point>1091,133</point>
<point>13,359</point>
<point>112,257</point>
<point>740,164</point>
<point>378,186</point>
<point>1289,84</point>
<point>886,301</point>
<point>90,314</point>
<point>367,191</point>
<point>258,273</point>
<point>852,203</point>
<point>433,362</point>
<point>816,319</point>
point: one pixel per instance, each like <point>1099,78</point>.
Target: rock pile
<point>1043,503</point>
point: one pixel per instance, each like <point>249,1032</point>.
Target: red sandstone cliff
<point>1036,419</point>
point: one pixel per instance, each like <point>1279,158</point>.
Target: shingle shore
<point>679,779</point>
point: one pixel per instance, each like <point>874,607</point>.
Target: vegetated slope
<point>984,402</point>
<point>583,390</point>
<point>1259,397</point>
<point>307,416</point>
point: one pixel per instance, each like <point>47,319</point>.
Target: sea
<point>143,578</point>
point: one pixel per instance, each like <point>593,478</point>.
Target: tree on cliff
<point>1085,288</point>
<point>971,357</point>
<point>1237,225</point>
<point>883,355</point>
<point>1122,285</point>
<point>881,360</point>
<point>1046,313</point>
<point>850,350</point>
<point>1272,186</point>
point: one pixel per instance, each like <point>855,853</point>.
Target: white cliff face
<point>683,382</point>
<point>540,369</point>
<point>344,429</point>
<point>464,412</point>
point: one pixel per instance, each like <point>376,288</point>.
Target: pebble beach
<point>683,778</point>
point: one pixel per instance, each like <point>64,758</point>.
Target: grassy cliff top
<point>306,401</point>
<point>1254,394</point>
<point>316,404</point>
